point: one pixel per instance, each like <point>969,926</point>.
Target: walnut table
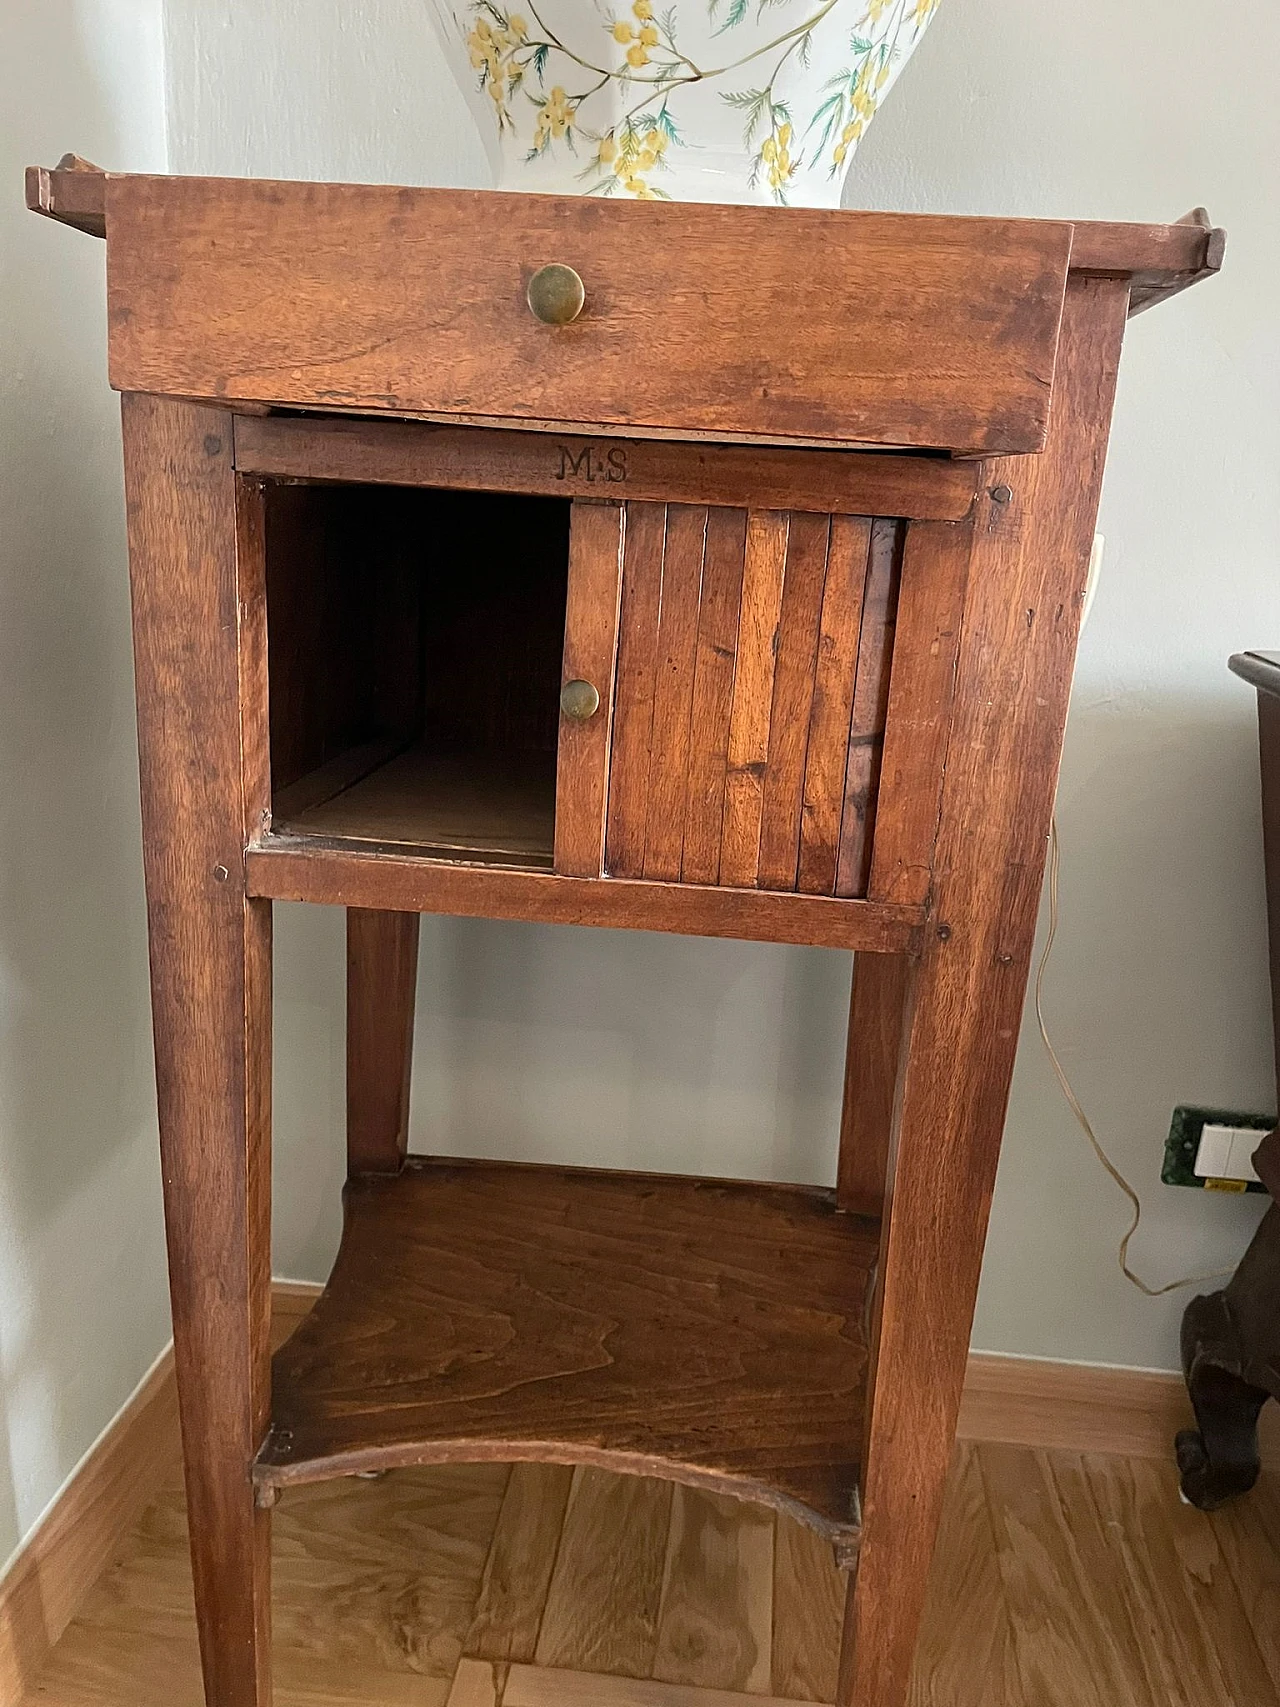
<point>480,570</point>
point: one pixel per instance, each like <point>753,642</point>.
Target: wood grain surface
<point>602,1606</point>
<point>558,465</point>
<point>335,295</point>
<point>1060,1580</point>
<point>706,1331</point>
<point>834,682</point>
<point>864,746</point>
<point>751,697</point>
<point>590,654</point>
<point>715,1624</point>
<point>382,988</point>
<point>877,1014</point>
<point>1022,612</point>
<point>522,1556</point>
<point>298,869</point>
<point>199,649</point>
<point>490,808</point>
<point>917,724</point>
<point>1158,260</point>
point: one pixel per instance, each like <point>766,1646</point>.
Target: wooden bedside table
<point>743,602</point>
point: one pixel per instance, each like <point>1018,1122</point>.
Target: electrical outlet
<point>1212,1148</point>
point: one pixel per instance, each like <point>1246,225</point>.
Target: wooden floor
<point>1061,1581</point>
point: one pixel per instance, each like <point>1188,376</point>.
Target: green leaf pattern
<point>514,55</point>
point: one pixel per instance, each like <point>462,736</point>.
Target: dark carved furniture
<point>1231,1339</point>
<point>743,603</point>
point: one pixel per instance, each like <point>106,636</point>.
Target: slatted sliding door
<point>752,684</point>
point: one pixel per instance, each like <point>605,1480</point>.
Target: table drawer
<point>757,324</point>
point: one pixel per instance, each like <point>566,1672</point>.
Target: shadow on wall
<point>1157,993</point>
<point>565,1044</point>
<point>77,1164</point>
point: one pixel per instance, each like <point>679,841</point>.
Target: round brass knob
<point>556,294</point>
<point>579,700</point>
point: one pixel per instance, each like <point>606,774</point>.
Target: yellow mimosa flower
<point>643,9</point>
<point>516,24</point>
<point>622,32</point>
<point>649,35</point>
<point>637,55</point>
<point>607,151</point>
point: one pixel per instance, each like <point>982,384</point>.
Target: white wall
<point>648,1051</point>
<point>83,1309</point>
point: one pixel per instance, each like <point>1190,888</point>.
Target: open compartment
<point>414,658</point>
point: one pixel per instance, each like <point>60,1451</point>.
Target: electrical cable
<point>1073,1102</point>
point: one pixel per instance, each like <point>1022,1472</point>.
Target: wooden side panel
<point>748,751</point>
<point>926,640</point>
<point>754,647</point>
<point>713,679</point>
<point>673,689</point>
<point>198,652</point>
<point>793,687</point>
<point>895,330</point>
<point>590,651</point>
<point>1021,618</point>
<point>832,712</point>
<point>646,529</point>
<point>870,708</point>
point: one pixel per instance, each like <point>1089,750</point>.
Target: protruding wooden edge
<point>297,868</point>
<point>74,192</point>
<point>270,1479</point>
<point>1158,260</point>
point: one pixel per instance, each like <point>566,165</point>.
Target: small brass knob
<point>556,294</point>
<point>579,700</point>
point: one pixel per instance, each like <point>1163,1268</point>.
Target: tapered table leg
<point>198,655</point>
<point>382,980</point>
<point>877,1005</point>
<point>1030,542</point>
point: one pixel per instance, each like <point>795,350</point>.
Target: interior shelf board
<point>707,1331</point>
<point>498,806</point>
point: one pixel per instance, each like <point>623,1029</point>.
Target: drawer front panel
<point>794,325</point>
<point>752,683</point>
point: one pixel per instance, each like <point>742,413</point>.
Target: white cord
<point>1073,1102</point>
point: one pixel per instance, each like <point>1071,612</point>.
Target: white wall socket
<point>1224,1152</point>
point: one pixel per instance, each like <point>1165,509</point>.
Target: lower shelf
<point>706,1331</point>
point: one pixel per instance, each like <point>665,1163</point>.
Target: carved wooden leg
<point>211,998</point>
<point>1231,1359</point>
<point>382,974</point>
<point>1219,1459</point>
